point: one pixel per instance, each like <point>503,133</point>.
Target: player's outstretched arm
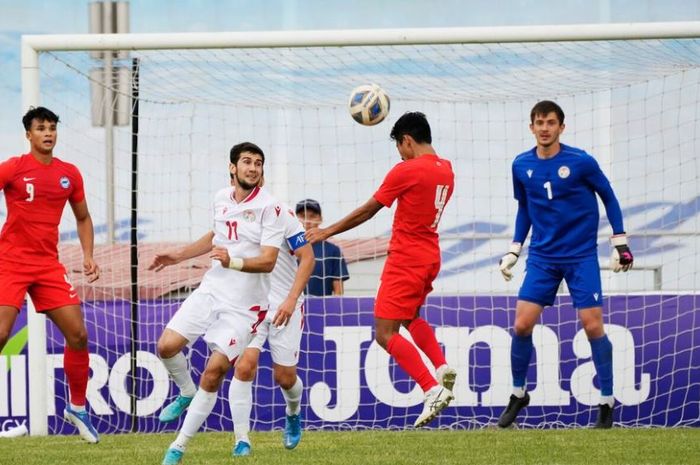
<point>622,258</point>
<point>352,220</point>
<point>173,257</point>
<point>522,228</point>
<point>263,263</point>
<point>305,254</point>
<point>86,235</point>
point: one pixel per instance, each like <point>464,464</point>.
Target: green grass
<point>578,446</point>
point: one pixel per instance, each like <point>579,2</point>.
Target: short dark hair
<point>414,124</point>
<point>39,114</point>
<point>308,205</point>
<point>238,149</point>
<point>544,108</point>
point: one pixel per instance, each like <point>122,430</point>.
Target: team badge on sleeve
<point>65,182</point>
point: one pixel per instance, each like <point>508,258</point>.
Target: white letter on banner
<point>4,389</point>
<point>118,388</point>
<point>548,390</point>
<point>379,380</point>
<point>624,390</point>
<point>18,376</point>
<point>457,344</point>
<point>347,342</point>
<point>98,378</point>
<point>498,340</point>
<point>624,367</point>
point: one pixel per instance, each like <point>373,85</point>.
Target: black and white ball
<point>368,104</point>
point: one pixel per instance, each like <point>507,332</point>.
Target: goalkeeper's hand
<point>622,258</point>
<point>509,260</point>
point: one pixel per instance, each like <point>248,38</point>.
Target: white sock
<point>240,401</point>
<point>519,392</point>
<point>293,397</point>
<point>610,400</point>
<point>197,413</point>
<point>180,373</point>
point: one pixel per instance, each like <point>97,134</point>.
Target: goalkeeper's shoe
<point>436,399</point>
<point>446,376</point>
<point>241,449</point>
<point>174,409</point>
<point>292,431</point>
<point>605,417</point>
<point>173,456</point>
<point>515,405</point>
<point>81,420</point>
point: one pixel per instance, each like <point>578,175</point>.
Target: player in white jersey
<point>282,328</point>
<point>232,299</point>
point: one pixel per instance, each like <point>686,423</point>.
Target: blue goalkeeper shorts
<point>542,281</point>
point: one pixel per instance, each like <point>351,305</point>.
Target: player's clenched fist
<point>622,258</point>
<point>509,260</point>
<point>91,270</point>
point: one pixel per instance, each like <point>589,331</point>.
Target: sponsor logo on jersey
<point>564,172</point>
<point>65,182</point>
<point>25,179</point>
<point>249,215</point>
<point>232,342</point>
<point>529,173</point>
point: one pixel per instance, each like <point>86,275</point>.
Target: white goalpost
<point>631,94</point>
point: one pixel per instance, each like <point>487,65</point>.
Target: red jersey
<point>35,195</point>
<point>423,186</point>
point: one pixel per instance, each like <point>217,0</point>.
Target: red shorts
<point>403,290</point>
<point>47,285</point>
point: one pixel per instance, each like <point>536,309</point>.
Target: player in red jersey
<point>422,184</point>
<point>37,186</point>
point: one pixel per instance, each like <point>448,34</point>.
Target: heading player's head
<point>411,133</point>
<point>546,123</point>
<point>246,167</point>
<point>40,126</point>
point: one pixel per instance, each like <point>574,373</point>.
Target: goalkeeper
<point>556,186</point>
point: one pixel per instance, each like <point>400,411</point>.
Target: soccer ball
<point>368,104</point>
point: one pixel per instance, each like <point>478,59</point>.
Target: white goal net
<point>633,104</point>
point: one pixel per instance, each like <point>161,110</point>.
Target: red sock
<point>76,365</point>
<point>424,337</point>
<point>409,359</point>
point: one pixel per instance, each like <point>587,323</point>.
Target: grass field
<point>578,446</point>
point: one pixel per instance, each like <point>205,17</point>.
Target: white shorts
<point>224,328</point>
<point>284,342</point>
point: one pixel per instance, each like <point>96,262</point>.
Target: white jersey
<point>282,276</point>
<point>243,228</point>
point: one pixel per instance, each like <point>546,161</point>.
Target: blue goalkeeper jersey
<point>557,197</point>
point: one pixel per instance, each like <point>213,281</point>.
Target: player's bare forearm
<point>338,288</point>
<point>199,247</point>
<point>307,261</point>
<point>263,263</point>
<point>86,235</point>
<point>355,218</point>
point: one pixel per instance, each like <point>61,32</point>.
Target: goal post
<point>476,86</point>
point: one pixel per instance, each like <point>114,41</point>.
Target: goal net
<point>633,104</point>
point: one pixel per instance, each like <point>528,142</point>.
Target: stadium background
<point>481,278</point>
